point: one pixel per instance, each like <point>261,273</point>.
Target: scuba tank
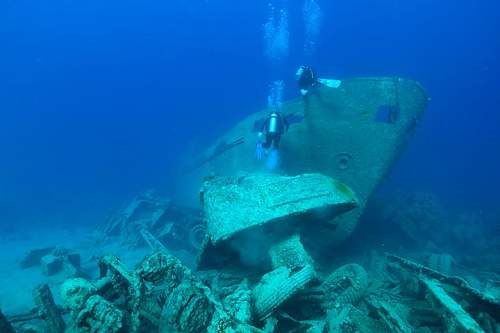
<point>273,123</point>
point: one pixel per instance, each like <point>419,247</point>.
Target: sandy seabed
<point>16,284</point>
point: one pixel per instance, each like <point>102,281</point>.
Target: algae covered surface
<point>232,205</point>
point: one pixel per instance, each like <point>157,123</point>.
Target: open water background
<point>100,99</point>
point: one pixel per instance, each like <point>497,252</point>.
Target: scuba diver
<point>272,128</point>
<point>307,79</point>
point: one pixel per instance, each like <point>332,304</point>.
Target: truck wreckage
<point>257,268</point>
<point>180,227</point>
<point>285,292</point>
<point>162,295</point>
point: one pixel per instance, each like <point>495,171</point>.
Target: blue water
<point>99,99</point>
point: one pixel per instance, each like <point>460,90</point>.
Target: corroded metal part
<point>113,267</point>
<point>34,257</point>
<point>462,308</point>
<point>187,309</point>
<point>390,316</point>
<point>153,242</point>
<point>266,208</point>
<point>151,307</point>
<point>144,211</point>
<point>48,309</point>
<point>74,294</point>
<point>458,320</point>
<point>149,219</point>
<point>238,304</point>
<point>162,268</point>
<point>5,325</point>
<point>236,204</point>
<point>25,317</point>
<point>175,300</point>
<point>461,287</point>
<point>123,280</point>
<point>99,315</point>
<point>347,318</point>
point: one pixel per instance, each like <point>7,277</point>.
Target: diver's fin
<point>330,83</point>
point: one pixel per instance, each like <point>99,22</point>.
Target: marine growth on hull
<point>270,250</point>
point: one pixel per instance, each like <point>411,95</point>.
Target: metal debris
<point>389,316</point>
<point>235,204</point>
<point>297,294</point>
<point>5,326</point>
<point>167,222</point>
<point>48,309</point>
<point>153,242</point>
<point>458,285</point>
<point>99,315</point>
<point>53,261</point>
<point>34,257</point>
<point>460,307</point>
<point>457,319</point>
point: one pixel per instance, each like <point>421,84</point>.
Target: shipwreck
<point>354,134</point>
<point>255,272</point>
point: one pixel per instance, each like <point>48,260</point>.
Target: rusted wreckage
<point>257,270</point>
<point>286,292</point>
<point>162,295</point>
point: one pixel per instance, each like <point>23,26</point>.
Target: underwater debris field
<point>281,166</point>
<point>295,286</point>
<point>284,251</point>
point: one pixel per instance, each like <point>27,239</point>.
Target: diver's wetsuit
<point>306,79</point>
<point>273,129</point>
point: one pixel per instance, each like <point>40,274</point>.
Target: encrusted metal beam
<point>485,302</point>
<point>48,309</point>
<point>458,320</point>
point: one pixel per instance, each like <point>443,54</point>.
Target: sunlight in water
<point>276,34</point>
<point>312,20</point>
<point>275,97</point>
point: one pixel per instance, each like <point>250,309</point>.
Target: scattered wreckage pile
<point>256,275</point>
<point>180,227</point>
<point>54,262</point>
<point>423,223</point>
